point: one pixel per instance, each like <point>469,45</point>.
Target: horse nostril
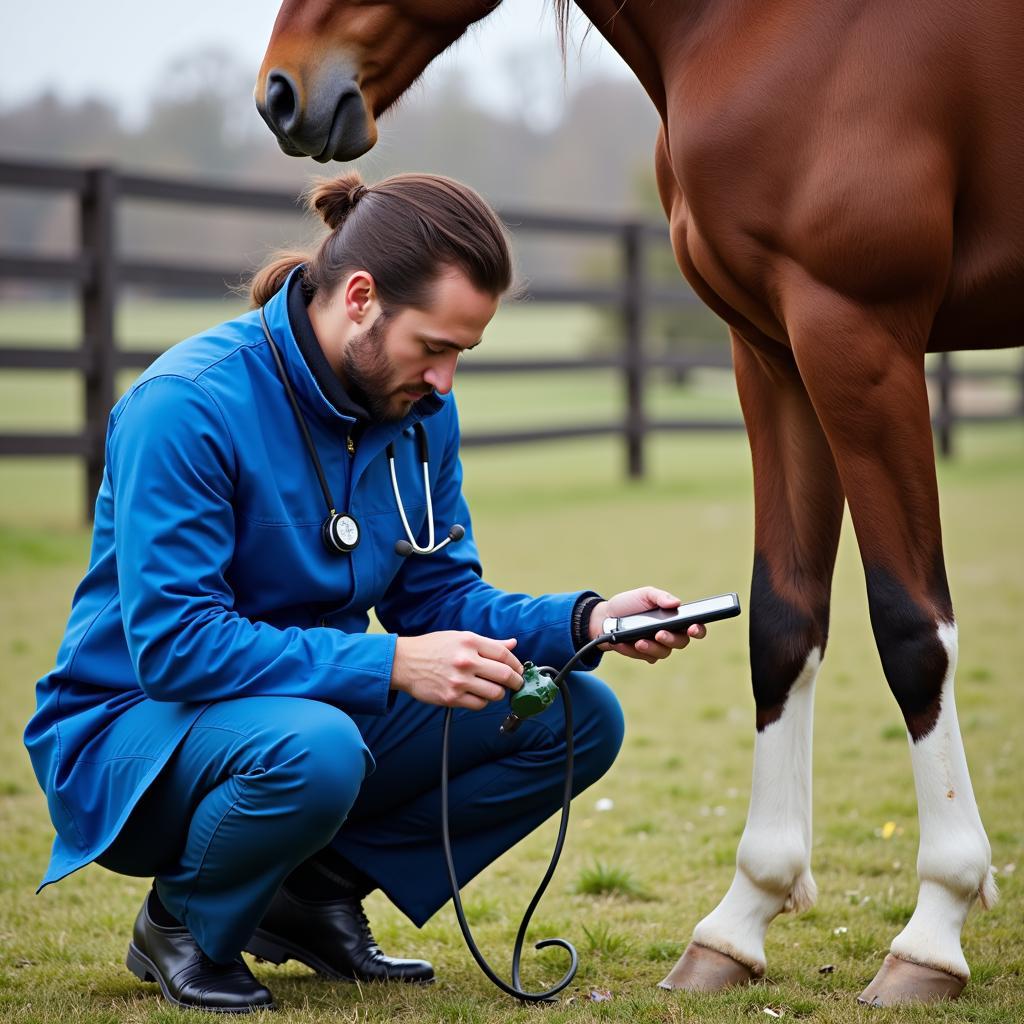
<point>282,100</point>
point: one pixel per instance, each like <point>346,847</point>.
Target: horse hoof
<point>900,981</point>
<point>701,969</point>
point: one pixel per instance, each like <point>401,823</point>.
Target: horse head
<point>332,67</point>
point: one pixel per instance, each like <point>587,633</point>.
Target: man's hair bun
<point>333,199</point>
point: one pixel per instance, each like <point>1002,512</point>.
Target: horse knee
<point>914,656</point>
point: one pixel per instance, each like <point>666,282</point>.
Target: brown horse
<point>843,185</point>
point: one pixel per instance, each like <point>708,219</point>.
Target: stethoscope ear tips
<point>403,548</point>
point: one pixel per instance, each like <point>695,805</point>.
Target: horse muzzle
<point>327,120</point>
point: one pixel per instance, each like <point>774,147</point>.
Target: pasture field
<point>634,879</point>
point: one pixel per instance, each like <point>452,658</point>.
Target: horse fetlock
<point>803,895</point>
<point>988,891</point>
<point>777,866</point>
<point>961,865</point>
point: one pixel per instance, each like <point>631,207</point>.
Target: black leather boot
<point>333,937</point>
<point>187,977</point>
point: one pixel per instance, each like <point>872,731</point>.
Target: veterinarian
<point>218,717</point>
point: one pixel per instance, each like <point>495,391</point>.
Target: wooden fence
<point>97,271</point>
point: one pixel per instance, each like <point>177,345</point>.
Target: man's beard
<point>369,374</point>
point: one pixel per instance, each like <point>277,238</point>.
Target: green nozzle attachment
<point>537,692</point>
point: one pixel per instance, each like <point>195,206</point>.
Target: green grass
<point>609,880</point>
<point>544,515</point>
<point>604,942</point>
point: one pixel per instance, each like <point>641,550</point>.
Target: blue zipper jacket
<point>208,579</point>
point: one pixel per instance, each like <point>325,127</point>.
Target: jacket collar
<point>319,392</point>
<point>309,346</point>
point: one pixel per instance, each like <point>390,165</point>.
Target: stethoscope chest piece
<point>340,533</point>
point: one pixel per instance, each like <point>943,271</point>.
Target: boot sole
<point>274,950</point>
<point>145,970</point>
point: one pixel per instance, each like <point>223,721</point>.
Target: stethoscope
<point>340,531</point>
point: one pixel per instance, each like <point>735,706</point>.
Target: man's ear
<point>359,295</point>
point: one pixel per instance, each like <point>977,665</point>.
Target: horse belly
<point>988,318</point>
<point>983,306</point>
<point>983,119</point>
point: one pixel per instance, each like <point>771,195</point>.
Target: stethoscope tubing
<point>300,419</point>
<point>430,547</point>
<point>515,989</point>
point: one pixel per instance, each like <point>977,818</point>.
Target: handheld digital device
<point>644,625</point>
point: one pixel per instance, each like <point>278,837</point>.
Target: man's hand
<point>455,669</point>
<point>629,603</point>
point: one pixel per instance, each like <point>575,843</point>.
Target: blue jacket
<point>208,579</point>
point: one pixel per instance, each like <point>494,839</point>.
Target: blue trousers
<point>260,784</point>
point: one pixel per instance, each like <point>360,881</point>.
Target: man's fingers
<point>663,643</point>
<point>631,651</point>
<point>500,650</point>
<point>650,649</point>
<point>672,641</point>
<point>506,677</point>
<point>486,690</point>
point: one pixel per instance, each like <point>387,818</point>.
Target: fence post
<point>634,321</point>
<point>97,233</point>
<point>945,411</point>
<point>1020,380</point>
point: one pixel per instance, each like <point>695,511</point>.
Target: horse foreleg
<point>798,514</point>
<point>875,413</point>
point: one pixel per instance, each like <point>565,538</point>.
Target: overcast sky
<point>117,48</point>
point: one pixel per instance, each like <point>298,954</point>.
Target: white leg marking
<point>954,858</point>
<point>773,862</point>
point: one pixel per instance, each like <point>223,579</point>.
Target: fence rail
<point>97,271</point>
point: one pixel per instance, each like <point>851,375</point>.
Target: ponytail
<point>267,281</point>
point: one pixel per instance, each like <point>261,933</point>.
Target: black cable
<point>300,419</point>
<point>515,989</point>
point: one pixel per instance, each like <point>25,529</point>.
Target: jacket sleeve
<point>172,467</point>
<point>446,590</point>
